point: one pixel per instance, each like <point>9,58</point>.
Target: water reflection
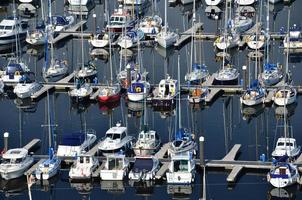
<point>282,193</point>
<point>84,189</point>
<point>113,186</point>
<point>180,191</point>
<point>13,187</point>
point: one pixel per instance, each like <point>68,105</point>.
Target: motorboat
<point>57,68</point>
<point>139,89</point>
<point>293,40</point>
<point>254,95</point>
<point>285,95</point>
<point>256,41</point>
<point>14,163</point>
<point>271,75</point>
<point>148,143</point>
<point>130,39</point>
<point>228,75</point>
<point>102,39</point>
<point>120,20</point>
<point>15,72</point>
<point>83,167</point>
<point>87,71</point>
<point>25,90</point>
<point>242,24</point>
<point>61,23</point>
<point>75,143</point>
<point>150,25</point>
<point>37,36</point>
<point>213,2</point>
<point>286,146</point>
<point>116,168</point>
<point>227,41</point>
<point>81,92</point>
<point>78,2</point>
<point>197,95</point>
<point>198,74</point>
<point>183,142</point>
<point>116,139</point>
<point>144,169</point>
<point>283,174</point>
<point>49,167</point>
<point>12,29</point>
<point>245,2</point>
<point>165,94</point>
<point>109,94</point>
<point>181,169</point>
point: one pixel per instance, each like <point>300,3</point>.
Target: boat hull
<point>109,99</point>
<point>113,175</point>
<point>180,177</point>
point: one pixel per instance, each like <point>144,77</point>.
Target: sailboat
<point>130,39</point>
<point>165,37</point>
<point>293,39</point>
<point>254,95</point>
<point>228,75</point>
<point>245,2</point>
<point>49,167</point>
<point>213,2</point>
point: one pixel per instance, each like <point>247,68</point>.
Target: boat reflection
<point>213,12</point>
<point>289,110</point>
<point>143,188</point>
<point>80,10</point>
<point>13,187</point>
<point>27,105</point>
<point>180,191</point>
<point>281,193</point>
<point>250,112</point>
<point>135,109</point>
<point>113,186</point>
<point>27,10</point>
<point>84,189</point>
<point>49,184</point>
<point>107,108</point>
<point>100,54</point>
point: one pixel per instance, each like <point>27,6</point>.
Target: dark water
<point>223,123</point>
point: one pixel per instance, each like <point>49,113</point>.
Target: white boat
<point>271,75</point>
<point>183,2</point>
<point>75,144</point>
<point>165,94</point>
<point>14,163</point>
<point>283,175</point>
<point>198,74</point>
<point>275,1</point>
<point>242,24</point>
<point>116,139</point>
<point>144,169</point>
<point>254,95</point>
<point>130,39</point>
<point>285,95</point>
<point>293,40</point>
<point>213,2</point>
<point>37,36</point>
<point>48,168</point>
<point>78,2</point>
<point>226,76</point>
<point>134,2</point>
<point>57,68</point>
<point>88,71</point>
<point>11,29</point>
<point>116,168</point>
<point>286,146</point>
<point>15,72</point>
<point>197,95</point>
<point>61,23</point>
<point>81,92</point>
<point>25,90</point>
<point>83,167</point>
<point>138,89</point>
<point>181,169</point>
<point>227,42</point>
<point>148,143</point>
<point>245,2</point>
<point>120,20</point>
<point>101,40</point>
<point>256,41</point>
<point>182,143</point>
<point>150,25</point>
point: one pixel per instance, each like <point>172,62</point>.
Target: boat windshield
<point>6,27</point>
<point>115,164</point>
<point>11,161</point>
<point>180,165</point>
<point>113,136</point>
<point>283,144</point>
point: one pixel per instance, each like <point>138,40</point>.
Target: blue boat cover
<point>180,134</point>
<point>136,87</point>
<point>269,66</point>
<point>58,20</point>
<point>74,139</point>
<point>13,67</point>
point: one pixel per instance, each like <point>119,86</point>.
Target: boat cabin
<point>286,144</point>
<point>136,87</point>
<point>182,162</point>
<point>14,156</point>
<point>116,132</point>
<point>168,87</point>
<point>116,162</point>
<point>8,25</point>
<point>85,161</point>
<point>149,135</point>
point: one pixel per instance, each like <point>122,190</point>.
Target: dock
<point>32,169</point>
<point>185,36</point>
<point>160,155</point>
<point>93,150</point>
<point>32,144</point>
<point>162,171</point>
<point>163,150</point>
<point>97,171</point>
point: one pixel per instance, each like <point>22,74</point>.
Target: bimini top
<point>15,153</point>
<point>181,133</point>
<point>73,139</point>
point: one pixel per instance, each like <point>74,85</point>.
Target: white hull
<point>166,39</point>
<point>99,43</point>
<point>286,101</point>
<point>245,2</point>
<point>78,2</point>
<point>180,177</point>
<point>16,172</point>
<point>292,45</point>
<point>212,2</point>
<point>255,44</point>
<point>186,1</point>
<point>252,102</point>
<point>126,44</point>
<point>113,175</point>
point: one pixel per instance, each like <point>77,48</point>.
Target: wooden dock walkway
<point>162,171</point>
<point>93,150</point>
<point>32,144</point>
<point>184,37</point>
<point>97,171</point>
<point>163,150</point>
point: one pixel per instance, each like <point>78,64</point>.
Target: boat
<point>293,40</point>
<point>144,169</point>
<point>255,41</point>
<point>60,23</point>
<point>285,95</point>
<point>181,169</point>
<point>197,95</point>
<point>83,167</point>
<point>184,2</point>
<point>122,76</point>
<point>57,69</point>
<point>15,72</point>
<point>165,94</point>
<point>150,25</point>
<point>135,2</point>
<point>14,163</point>
<point>49,167</point>
<point>88,71</point>
<point>1,86</point>
<point>227,41</point>
<point>228,75</point>
<point>148,143</point>
<point>12,29</point>
<point>198,74</point>
<point>116,139</point>
<point>245,2</point>
<point>254,95</point>
<point>75,143</point>
<point>37,36</point>
<point>213,2</point>
<point>109,94</point>
<point>102,39</point>
<point>138,89</point>
<point>213,12</point>
<point>183,142</point>
<point>78,2</point>
<point>283,174</point>
<point>120,20</point>
<point>286,146</point>
<point>25,90</point>
<point>116,168</point>
<point>166,37</point>
<point>271,75</point>
<point>130,39</point>
<point>81,92</point>
<point>242,24</point>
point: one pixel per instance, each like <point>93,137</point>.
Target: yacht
<point>15,72</point>
<point>101,40</point>
<point>61,23</point>
<point>213,2</point>
<point>286,146</point>
<point>11,29</point>
<point>109,94</point>
<point>75,143</point>
<point>138,90</point>
<point>183,142</point>
<point>116,139</point>
<point>83,167</point>
<point>14,163</point>
<point>81,92</point>
<point>242,24</point>
<point>130,39</point>
<point>116,168</point>
<point>181,169</point>
<point>148,143</point>
<point>293,40</point>
<point>166,38</point>
<point>88,71</point>
<point>285,95</point>
<point>78,2</point>
<point>165,94</point>
<point>58,68</point>
<point>226,76</point>
<point>150,25</point>
<point>245,2</point>
<point>255,41</point>
<point>144,169</point>
<point>198,74</point>
<point>120,20</point>
<point>254,95</point>
<point>25,90</point>
<point>271,75</point>
<point>37,36</point>
<point>48,168</point>
<point>227,42</point>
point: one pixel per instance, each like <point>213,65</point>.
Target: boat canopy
<point>12,68</point>
<point>137,87</point>
<point>181,133</point>
<point>143,164</point>
<point>74,139</point>
<point>255,84</point>
<point>270,66</point>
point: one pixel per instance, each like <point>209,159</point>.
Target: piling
<point>201,150</point>
<point>128,68</point>
<point>244,67</point>
<point>6,135</point>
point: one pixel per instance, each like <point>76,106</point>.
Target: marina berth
<point>83,167</point>
<point>116,168</point>
<point>144,169</point>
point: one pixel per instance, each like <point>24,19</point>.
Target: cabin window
<point>81,160</point>
<point>289,144</point>
<point>115,164</point>
<point>141,136</point>
<point>18,160</point>
<point>113,136</point>
<point>280,144</point>
<point>87,160</point>
<point>152,136</point>
<point>2,27</point>
<point>282,171</point>
<point>9,28</point>
<point>180,165</point>
<point>123,135</point>
<point>5,161</point>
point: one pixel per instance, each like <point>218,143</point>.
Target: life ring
<point>17,73</point>
<point>138,89</point>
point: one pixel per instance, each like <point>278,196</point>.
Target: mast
<point>267,33</point>
<point>109,33</point>
<point>17,31</point>
<point>166,25</point>
<point>178,78</point>
<point>82,39</point>
<point>51,33</point>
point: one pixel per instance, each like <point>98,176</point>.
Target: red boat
<point>109,94</point>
